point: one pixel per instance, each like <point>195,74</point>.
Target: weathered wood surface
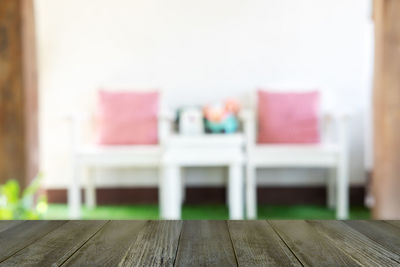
<point>311,248</point>
<point>18,92</point>
<point>257,244</point>
<point>21,235</point>
<point>199,243</point>
<point>360,247</point>
<point>59,245</point>
<point>385,235</point>
<point>156,245</point>
<point>205,243</point>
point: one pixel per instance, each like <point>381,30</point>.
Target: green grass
<point>203,212</point>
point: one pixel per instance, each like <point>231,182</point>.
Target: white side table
<point>203,150</point>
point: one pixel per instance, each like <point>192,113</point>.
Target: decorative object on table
<point>191,121</point>
<point>222,118</point>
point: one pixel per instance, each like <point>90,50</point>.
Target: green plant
<point>25,206</point>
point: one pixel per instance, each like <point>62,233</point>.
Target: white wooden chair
<point>87,155</point>
<point>331,153</point>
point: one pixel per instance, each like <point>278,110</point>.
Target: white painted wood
<point>86,156</point>
<point>90,190</point>
<point>251,192</point>
<point>203,151</point>
<point>74,195</point>
<point>330,153</point>
<point>342,206</point>
<point>235,192</point>
<point>74,188</point>
<point>171,197</point>
<point>331,188</point>
<point>183,187</point>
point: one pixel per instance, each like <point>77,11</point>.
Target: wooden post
<point>386,175</point>
<point>18,92</point>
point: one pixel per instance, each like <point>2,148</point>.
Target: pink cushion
<point>290,118</point>
<point>127,118</point>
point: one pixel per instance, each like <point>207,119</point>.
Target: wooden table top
<point>199,243</point>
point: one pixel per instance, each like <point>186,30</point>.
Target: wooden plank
<point>205,243</point>
<point>360,247</point>
<point>18,237</point>
<point>311,248</point>
<point>394,223</point>
<point>56,247</point>
<point>382,233</point>
<point>4,225</point>
<point>108,246</point>
<point>257,244</point>
<point>156,245</point>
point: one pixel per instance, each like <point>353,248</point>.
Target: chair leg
<point>183,186</point>
<point>330,188</point>
<point>170,193</point>
<point>235,192</point>
<point>74,193</point>
<point>342,191</point>
<point>90,192</point>
<point>251,192</point>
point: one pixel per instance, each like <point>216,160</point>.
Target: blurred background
<point>206,59</point>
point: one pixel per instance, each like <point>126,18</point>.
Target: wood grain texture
<point>256,244</point>
<point>205,243</point>
<point>18,92</point>
<point>199,243</point>
<point>311,248</point>
<point>56,247</point>
<point>360,247</point>
<point>156,245</point>
<point>108,246</point>
<point>22,235</point>
<point>30,87</point>
<point>12,143</point>
<point>386,178</point>
<point>394,223</point>
<point>4,225</point>
<point>380,232</point>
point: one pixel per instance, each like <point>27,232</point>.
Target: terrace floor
<point>204,212</point>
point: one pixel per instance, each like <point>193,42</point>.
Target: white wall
<point>199,51</point>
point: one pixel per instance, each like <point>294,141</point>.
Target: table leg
<point>171,193</point>
<point>235,192</point>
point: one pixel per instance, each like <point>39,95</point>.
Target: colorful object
<point>222,118</point>
<point>290,118</point>
<point>191,121</point>
<point>127,118</point>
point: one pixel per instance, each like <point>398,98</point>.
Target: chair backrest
<point>325,94</point>
<point>87,126</point>
<point>286,87</point>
